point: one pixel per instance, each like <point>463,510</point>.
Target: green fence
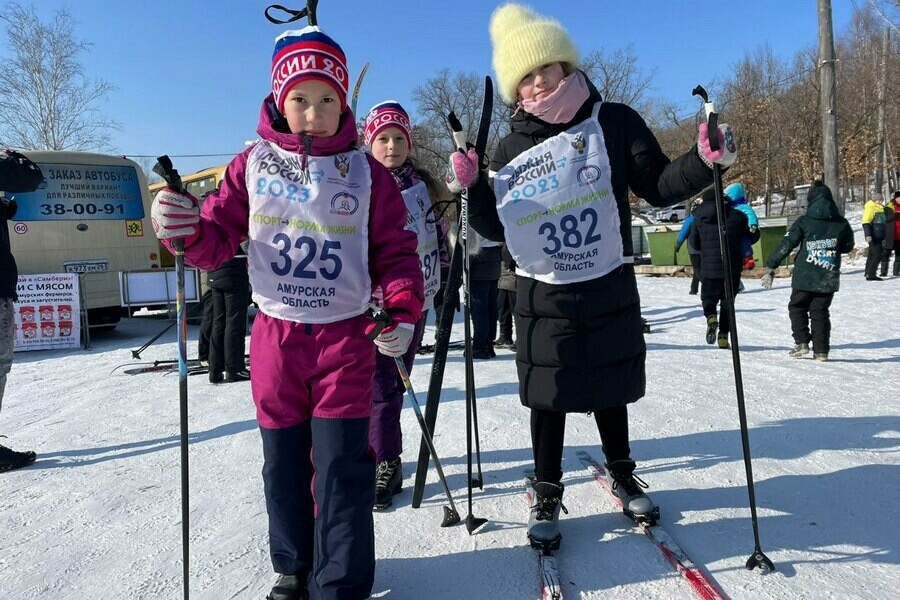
<point>662,238</point>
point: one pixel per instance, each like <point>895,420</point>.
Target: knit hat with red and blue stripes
<point>308,53</point>
<point>383,115</point>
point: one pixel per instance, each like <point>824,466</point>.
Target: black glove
<point>18,174</point>
<point>8,209</point>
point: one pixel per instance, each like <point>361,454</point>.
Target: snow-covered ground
<point>98,516</point>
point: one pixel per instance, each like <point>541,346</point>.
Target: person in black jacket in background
<point>559,199</point>
<point>484,275</point>
<point>230,285</point>
<point>713,270</point>
<point>506,299</point>
<point>822,235</point>
<point>17,175</point>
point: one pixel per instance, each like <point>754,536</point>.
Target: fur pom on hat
<point>523,41</point>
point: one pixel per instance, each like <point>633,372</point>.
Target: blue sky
<point>190,75</point>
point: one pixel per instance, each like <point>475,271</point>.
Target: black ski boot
<point>543,522</point>
<point>388,481</point>
<point>10,459</point>
<point>289,587</point>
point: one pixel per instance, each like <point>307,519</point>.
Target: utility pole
<point>882,86</point>
<point>829,102</point>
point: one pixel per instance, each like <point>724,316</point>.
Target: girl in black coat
<point>559,199</point>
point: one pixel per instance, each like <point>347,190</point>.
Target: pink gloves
<point>727,152</point>
<point>463,171</point>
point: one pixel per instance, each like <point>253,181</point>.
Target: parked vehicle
<point>672,214</point>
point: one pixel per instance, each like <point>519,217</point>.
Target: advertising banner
<point>47,312</point>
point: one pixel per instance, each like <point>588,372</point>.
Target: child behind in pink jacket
<point>325,224</point>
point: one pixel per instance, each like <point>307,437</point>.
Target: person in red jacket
<point>891,241</point>
<point>325,225</point>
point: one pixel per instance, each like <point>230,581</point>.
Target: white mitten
<point>174,215</point>
<point>394,341</point>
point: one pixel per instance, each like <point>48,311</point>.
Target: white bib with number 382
<point>309,234</point>
<point>557,205</point>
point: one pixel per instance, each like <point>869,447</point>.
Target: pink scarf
<point>562,104</point>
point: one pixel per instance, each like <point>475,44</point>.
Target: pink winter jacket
<point>393,262</point>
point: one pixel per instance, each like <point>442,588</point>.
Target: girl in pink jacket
<point>325,225</point>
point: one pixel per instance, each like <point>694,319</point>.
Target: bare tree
<point>618,77</point>
<point>462,93</point>
<point>146,164</point>
<point>47,102</point>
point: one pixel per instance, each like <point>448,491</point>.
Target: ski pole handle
<point>382,320</point>
<point>167,171</point>
<point>164,169</point>
<point>459,136</point>
<point>712,117</point>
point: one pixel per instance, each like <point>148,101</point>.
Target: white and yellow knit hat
<point>524,40</point>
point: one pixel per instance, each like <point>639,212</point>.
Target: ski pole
<point>165,170</point>
<point>136,354</point>
<point>472,522</point>
<point>382,319</point>
<point>438,365</point>
<point>451,516</point>
<point>758,558</point>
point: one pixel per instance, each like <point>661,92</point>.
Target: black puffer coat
<point>580,345</point>
<point>9,274</point>
<point>232,275</point>
<point>705,237</point>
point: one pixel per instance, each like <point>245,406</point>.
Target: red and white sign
<point>46,314</point>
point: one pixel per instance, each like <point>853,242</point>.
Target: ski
<point>700,582</point>
<point>355,97</point>
<point>156,367</point>
<point>429,348</point>
<point>550,586</point>
<point>451,299</point>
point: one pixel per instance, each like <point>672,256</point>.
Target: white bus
<point>91,215</point>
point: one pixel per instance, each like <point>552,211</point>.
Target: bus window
<point>201,187</point>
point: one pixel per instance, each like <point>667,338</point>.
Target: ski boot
<point>289,587</point>
<point>635,503</point>
<point>543,522</point>
<point>821,356</point>
<point>388,481</point>
<point>712,326</point>
<point>10,459</point>
<point>722,341</point>
<point>799,350</point>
